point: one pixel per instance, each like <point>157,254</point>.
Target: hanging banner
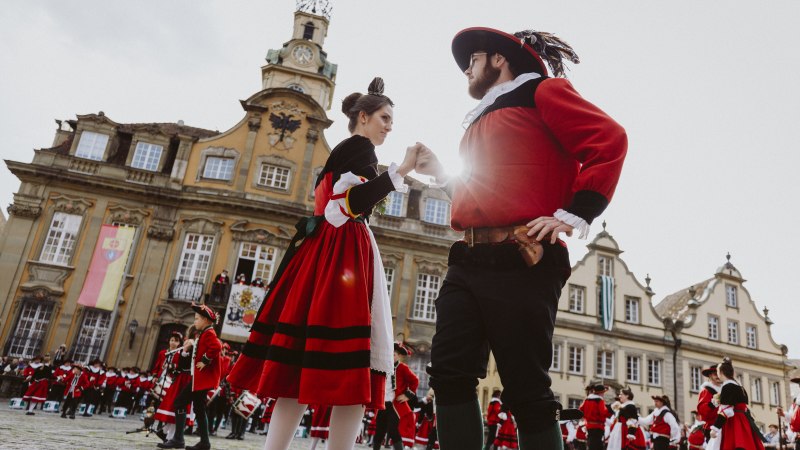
<point>607,302</point>
<point>243,305</point>
<point>107,268</point>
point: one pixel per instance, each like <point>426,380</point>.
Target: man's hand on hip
<point>542,226</point>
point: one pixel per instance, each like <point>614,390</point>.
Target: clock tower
<point>301,64</point>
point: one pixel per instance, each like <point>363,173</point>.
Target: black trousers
<point>70,405</point>
<point>491,300</point>
<point>661,443</point>
<point>198,401</point>
<point>491,434</point>
<point>595,439</point>
<point>386,425</point>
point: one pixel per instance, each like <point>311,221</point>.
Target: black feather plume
<point>552,49</point>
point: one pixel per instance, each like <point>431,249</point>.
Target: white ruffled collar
<point>493,93</point>
<point>35,366</point>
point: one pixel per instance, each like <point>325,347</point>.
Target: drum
<point>50,406</point>
<point>119,412</point>
<point>246,404</point>
<point>160,389</point>
<point>17,403</point>
<point>212,394</point>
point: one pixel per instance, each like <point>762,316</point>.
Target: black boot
<point>546,439</point>
<point>202,430</point>
<point>177,439</point>
<point>460,426</point>
<point>242,428</point>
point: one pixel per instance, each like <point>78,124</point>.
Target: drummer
<point>177,376</point>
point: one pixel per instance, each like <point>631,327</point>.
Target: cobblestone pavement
<point>49,431</point>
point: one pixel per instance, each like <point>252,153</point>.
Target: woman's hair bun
<point>349,102</point>
<point>376,87</point>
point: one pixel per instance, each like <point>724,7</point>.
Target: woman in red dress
<point>323,334</point>
<point>38,375</point>
<point>733,418</point>
<point>507,434</point>
<point>179,368</point>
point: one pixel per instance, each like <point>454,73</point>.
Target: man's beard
<point>484,81</point>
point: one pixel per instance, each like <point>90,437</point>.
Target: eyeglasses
<point>472,58</point>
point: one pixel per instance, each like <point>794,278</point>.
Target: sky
<point>707,92</point>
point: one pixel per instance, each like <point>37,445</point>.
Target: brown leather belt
<point>530,248</point>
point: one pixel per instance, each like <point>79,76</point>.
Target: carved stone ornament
<point>202,225</point>
<point>391,259</point>
<point>254,122</point>
<point>44,277</point>
<point>173,312</point>
<point>160,233</point>
<point>312,135</point>
<point>430,266</point>
<point>26,211</point>
<point>71,205</point>
<point>129,216</point>
<point>259,235</point>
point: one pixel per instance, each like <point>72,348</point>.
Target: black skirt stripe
<point>313,331</point>
<point>320,360</point>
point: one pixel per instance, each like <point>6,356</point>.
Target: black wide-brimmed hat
<point>526,50</point>
<point>597,387</point>
<point>205,311</point>
<point>663,399</point>
<point>402,349</point>
<point>712,369</point>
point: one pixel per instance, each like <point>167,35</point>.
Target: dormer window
<point>92,146</point>
<point>731,297</point>
<point>296,87</point>
<point>308,31</point>
<point>147,156</point>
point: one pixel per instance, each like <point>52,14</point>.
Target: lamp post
<point>132,327</point>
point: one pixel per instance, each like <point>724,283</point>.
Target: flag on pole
<point>107,268</point>
<point>607,301</point>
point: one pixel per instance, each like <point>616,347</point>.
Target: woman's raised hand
<point>410,160</point>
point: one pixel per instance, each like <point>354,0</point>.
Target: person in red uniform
<point>507,434</point>
<point>58,385</point>
<point>595,412</point>
<point>320,424</point>
<point>206,373</point>
<point>396,421</point>
<point>664,428</point>
<point>706,408</point>
<point>323,334</point>
<point>697,435</point>
<point>38,375</point>
<point>175,341</point>
<point>492,418</point>
<point>91,395</point>
<point>179,369</point>
<point>733,422</point>
<point>540,161</point>
<point>76,383</point>
<point>579,443</point>
<point>625,432</point>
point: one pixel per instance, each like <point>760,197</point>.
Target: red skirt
<point>37,391</point>
<point>507,435</point>
<point>166,409</point>
<point>321,422</point>
<point>311,340</point>
<point>638,443</point>
<point>424,433</point>
<point>373,424</point>
<point>737,433</point>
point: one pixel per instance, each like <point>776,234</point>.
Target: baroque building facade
<point>658,348</point>
<point>200,202</point>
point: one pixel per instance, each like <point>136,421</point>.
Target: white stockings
<point>345,425</point>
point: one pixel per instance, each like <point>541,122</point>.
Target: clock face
<point>302,54</point>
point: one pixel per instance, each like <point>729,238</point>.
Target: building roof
<point>168,128</point>
<point>676,305</point>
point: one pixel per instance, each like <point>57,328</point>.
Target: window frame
<point>731,295</point>
<point>629,300</point>
<point>715,336</point>
<point>431,213</point>
<point>655,377</point>
<point>576,288</point>
<point>89,149</point>
<point>191,274</point>
<point>60,244</point>
<point>638,369</point>
<point>735,334</point>
<point>555,361</point>
<point>209,159</point>
<point>605,265</point>
<point>575,362</point>
<point>601,367</point>
<point>263,177</point>
<point>388,273</point>
<point>695,378</point>
<point>748,335</point>
<point>96,333</point>
<point>390,204</point>
<point>424,297</point>
<point>147,147</point>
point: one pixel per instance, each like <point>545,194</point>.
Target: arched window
<point>308,31</point>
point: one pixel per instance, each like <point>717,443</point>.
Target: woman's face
<point>174,343</point>
<point>720,374</point>
<point>377,125</point>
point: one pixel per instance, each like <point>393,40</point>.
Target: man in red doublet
<point>540,161</point>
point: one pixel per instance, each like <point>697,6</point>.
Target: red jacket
<point>595,412</point>
<point>82,383</point>
<point>405,380</point>
<point>705,408</point>
<point>159,364</point>
<point>492,411</point>
<point>61,373</point>
<point>537,149</point>
<point>225,362</point>
<point>207,351</point>
<point>95,379</point>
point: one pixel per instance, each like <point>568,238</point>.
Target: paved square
<point>49,431</point>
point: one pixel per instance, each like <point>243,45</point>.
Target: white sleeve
<point>647,421</point>
<point>675,429</point>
